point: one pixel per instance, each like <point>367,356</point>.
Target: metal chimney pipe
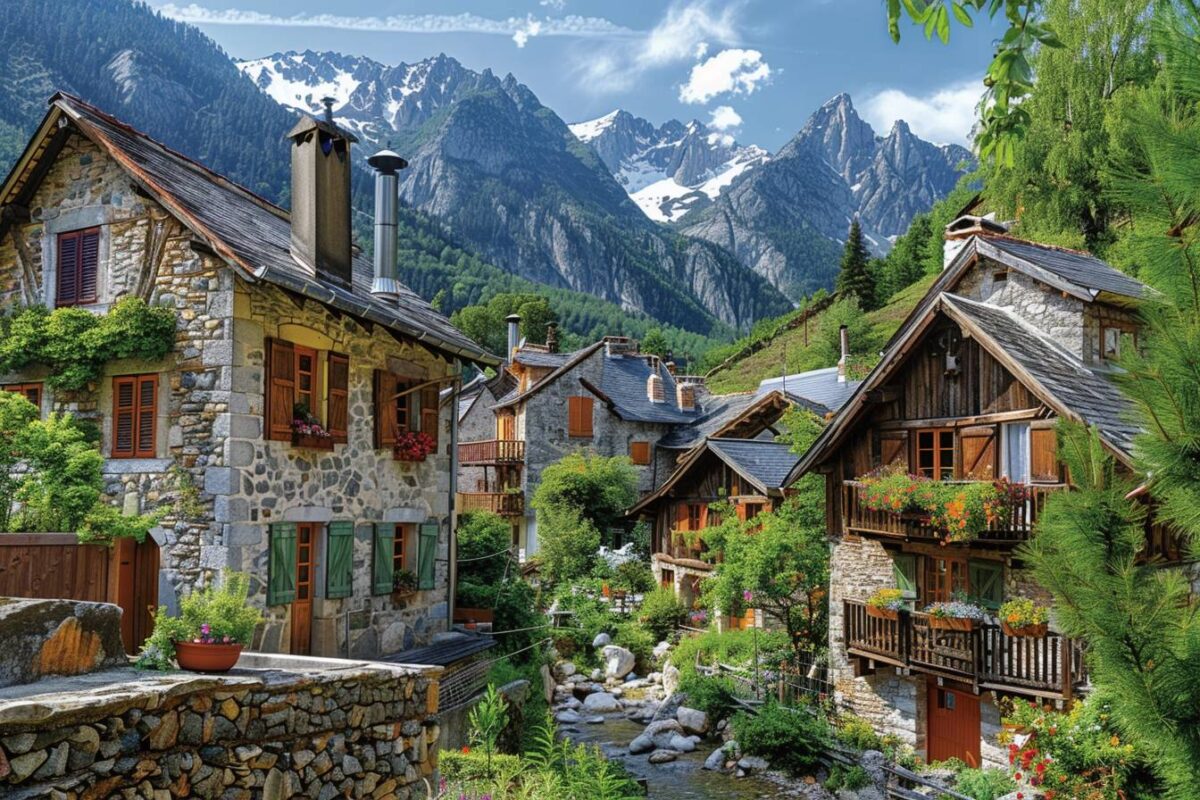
<point>386,164</point>
<point>843,362</point>
<point>328,103</point>
<point>514,332</point>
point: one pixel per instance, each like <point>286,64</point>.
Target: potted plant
<point>955,615</point>
<point>307,430</point>
<point>412,446</point>
<point>404,582</point>
<point>213,626</point>
<point>885,604</point>
<point>1022,617</point>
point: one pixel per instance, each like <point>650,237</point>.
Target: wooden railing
<point>504,503</point>
<point>1014,527</point>
<point>1048,666</point>
<point>492,451</point>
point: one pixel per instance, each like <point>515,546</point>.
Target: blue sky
<point>757,68</point>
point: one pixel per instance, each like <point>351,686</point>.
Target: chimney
<point>514,332</point>
<point>960,231</point>
<point>654,388</point>
<point>386,164</point>
<point>685,394</point>
<point>328,103</point>
<point>552,337</point>
<point>843,362</point>
<point>321,238</point>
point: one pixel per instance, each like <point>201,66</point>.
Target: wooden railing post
<point>1068,661</point>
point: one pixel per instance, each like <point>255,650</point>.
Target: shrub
<point>470,765</point>
<point>712,695</point>
<point>482,534</point>
<point>793,740</point>
<point>661,613</point>
<point>984,784</point>
<point>890,599</point>
<point>633,576</point>
<point>856,732</point>
<point>591,617</point>
<point>731,647</point>
<point>638,641</point>
<point>849,778</point>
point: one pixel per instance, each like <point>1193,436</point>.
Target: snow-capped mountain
<point>671,169</point>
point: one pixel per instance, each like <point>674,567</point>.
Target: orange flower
<point>1114,741</point>
<point>466,749</point>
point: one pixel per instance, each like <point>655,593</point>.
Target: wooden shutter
<point>381,558</point>
<point>281,566</point>
<point>89,265</point>
<point>385,410</point>
<point>893,448</point>
<point>579,416</point>
<point>904,569</point>
<point>135,408</point>
<point>427,555</point>
<point>429,413</point>
<point>280,389</point>
<point>979,461</point>
<point>67,293</point>
<point>1043,455</point>
<point>339,574</point>
<point>986,579</point>
<point>147,413</point>
<point>337,401</point>
<point>639,452</point>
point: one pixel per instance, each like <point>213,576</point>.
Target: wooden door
<point>306,542</point>
<point>136,589</point>
<point>953,725</point>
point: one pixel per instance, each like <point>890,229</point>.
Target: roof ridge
<point>1007,237</point>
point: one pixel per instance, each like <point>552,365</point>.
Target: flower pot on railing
<point>885,604</point>
<point>1033,631</point>
<point>882,613</point>
<point>212,657</point>
<point>955,615</point>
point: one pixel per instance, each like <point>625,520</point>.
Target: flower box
<point>882,613</point>
<point>413,446</point>
<point>207,657</point>
<point>311,442</point>
<point>1034,631</point>
<point>952,623</point>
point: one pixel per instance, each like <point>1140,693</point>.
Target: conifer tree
<point>856,276</point>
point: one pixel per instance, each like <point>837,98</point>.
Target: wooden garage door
<point>953,725</point>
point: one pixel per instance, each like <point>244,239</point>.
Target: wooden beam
<point>957,422</point>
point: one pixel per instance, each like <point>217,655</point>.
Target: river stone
<point>601,703</point>
<point>683,744</point>
<point>618,662</point>
<point>597,674</point>
<point>567,717</point>
<point>573,703</point>
<point>661,649</point>
<point>663,756</point>
<point>693,720</point>
<point>641,744</point>
<point>670,679</point>
<point>715,760</point>
<point>565,669</point>
<point>663,726</point>
<point>594,720</point>
<point>752,764</point>
<point>602,640</point>
<point>669,707</point>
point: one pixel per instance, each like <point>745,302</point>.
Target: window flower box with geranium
<point>413,446</point>
<point>955,615</point>
<point>885,604</point>
<point>307,431</point>
<point>1023,618</point>
<point>404,582</point>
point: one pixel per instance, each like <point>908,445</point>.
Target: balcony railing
<point>1015,527</point>
<point>1048,666</point>
<point>508,504</point>
<point>492,451</point>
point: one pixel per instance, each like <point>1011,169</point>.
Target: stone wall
<point>282,728</point>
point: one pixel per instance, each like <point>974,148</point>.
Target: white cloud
<point>557,5</point>
<point>519,29</point>
<point>733,71</point>
<point>943,115</point>
<point>724,118</point>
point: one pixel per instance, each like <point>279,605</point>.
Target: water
<point>682,779</point>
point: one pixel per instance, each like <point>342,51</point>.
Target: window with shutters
<point>427,556</point>
<point>396,412</point>
<point>979,459</point>
<point>30,391</point>
<point>986,579</point>
<point>935,453</point>
<point>1043,455</point>
<point>298,376</point>
<point>307,380</point>
<point>339,570</point>
<point>579,416</point>
<point>639,453</point>
<point>78,267</point>
<point>695,516</point>
<point>135,416</point>
<point>281,564</point>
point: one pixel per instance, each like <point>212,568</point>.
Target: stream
<point>682,779</point>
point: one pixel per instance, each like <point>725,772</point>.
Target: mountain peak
<point>840,100</point>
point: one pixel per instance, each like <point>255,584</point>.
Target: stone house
<point>279,318</point>
<point>1012,336</point>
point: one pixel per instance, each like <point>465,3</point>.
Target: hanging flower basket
<point>413,446</point>
<point>1034,631</point>
<point>207,657</point>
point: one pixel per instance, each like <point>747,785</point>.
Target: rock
<point>618,662</point>
<point>601,703</point>
<point>566,669</point>
<point>567,717</point>
<point>631,677</point>
<point>594,720</point>
<point>866,793</point>
<point>573,703</point>
<point>351,765</point>
<point>585,688</point>
<point>597,675</point>
<point>602,640</point>
<point>681,743</point>
<point>641,744</point>
<point>23,766</point>
<point>751,764</point>
<point>654,677</point>
<point>670,706</point>
<point>874,762</point>
<point>663,756</point>
<point>693,720</point>
<point>658,726</point>
<point>715,760</point>
<point>57,637</point>
<point>670,679</point>
<point>661,649</point>
<point>547,683</point>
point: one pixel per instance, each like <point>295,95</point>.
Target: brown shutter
<point>1043,455</point>
<point>338,400</point>
<point>89,265</point>
<point>893,448</point>
<point>429,412</point>
<point>147,413</point>
<point>579,416</point>
<point>979,462</point>
<point>67,293</point>
<point>124,416</point>
<point>385,410</point>
<point>280,388</point>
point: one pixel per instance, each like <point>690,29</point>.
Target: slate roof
<point>449,650</point>
<point>819,387</point>
<point>1089,394</point>
<point>624,381</point>
<point>718,411</point>
<point>571,359</point>
<point>767,463</point>
<point>254,236</point>
<point>1078,268</point>
<point>536,358</point>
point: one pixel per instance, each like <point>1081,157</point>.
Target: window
<point>399,413</point>
<point>135,411</point>
<point>1016,452</point>
<point>639,453</point>
<point>935,453</point>
<point>904,570</point>
<point>1115,337</point>
<point>667,581</point>
<point>695,515</point>
<point>78,265</point>
<point>307,379</point>
<point>294,377</point>
<point>944,578</point>
<point>579,416</point>
<point>752,510</point>
<point>987,583</point>
<point>30,391</point>
<point>339,574</point>
<point>400,549</point>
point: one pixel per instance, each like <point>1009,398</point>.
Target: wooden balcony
<point>506,504</point>
<point>1016,527</point>
<point>1050,666</point>
<point>491,451</point>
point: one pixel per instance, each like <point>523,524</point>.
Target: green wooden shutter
<point>339,573</point>
<point>281,566</point>
<point>381,559</point>
<point>427,555</point>
<point>904,567</point>
<point>987,583</point>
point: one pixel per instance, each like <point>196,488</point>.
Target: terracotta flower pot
<point>207,657</point>
<point>952,623</point>
<point>882,613</point>
<point>1036,631</point>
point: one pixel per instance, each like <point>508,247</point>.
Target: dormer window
<point>1113,338</point>
<point>78,267</point>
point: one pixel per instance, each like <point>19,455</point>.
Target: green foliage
<point>591,616</point>
<point>854,731</point>
<point>486,720</point>
<point>856,277</point>
<point>984,784</point>
<point>655,342</point>
<point>567,543</point>
<point>791,739</point>
<point>734,647</point>
<point>849,778</point>
<point>633,576</point>
<point>712,695</point>
<point>485,323</point>
<point>218,612</point>
<point>458,767</point>
<point>639,641</point>
<point>16,414</point>
<point>661,613</point>
<point>76,344</point>
<point>484,540</point>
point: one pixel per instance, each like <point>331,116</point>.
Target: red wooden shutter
<point>124,416</point>
<point>68,269</point>
<point>385,410</point>
<point>147,413</point>
<point>339,396</point>
<point>280,388</point>
<point>89,265</point>
<point>979,460</point>
<point>1043,455</point>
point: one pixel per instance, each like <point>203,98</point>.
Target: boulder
<point>597,675</point>
<point>693,720</point>
<point>57,637</point>
<point>641,744</point>
<point>670,679</point>
<point>547,683</point>
<point>584,689</point>
<point>683,744</point>
<point>663,726</point>
<point>567,717</point>
<point>661,649</point>
<point>602,640</point>
<point>751,764</point>
<point>715,760</point>
<point>663,756</point>
<point>601,703</point>
<point>566,669</point>
<point>874,763</point>
<point>670,706</point>
<point>618,662</point>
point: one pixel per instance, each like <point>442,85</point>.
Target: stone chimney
<point>514,333</point>
<point>844,361</point>
<point>654,388</point>
<point>552,337</point>
<point>321,239</point>
<point>386,164</point>
<point>685,395</point>
<point>960,231</point>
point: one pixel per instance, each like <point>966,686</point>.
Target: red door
<point>953,725</point>
<point>306,539</point>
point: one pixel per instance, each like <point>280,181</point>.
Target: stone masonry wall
<point>311,729</point>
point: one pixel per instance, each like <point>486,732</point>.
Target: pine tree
<point>856,277</point>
